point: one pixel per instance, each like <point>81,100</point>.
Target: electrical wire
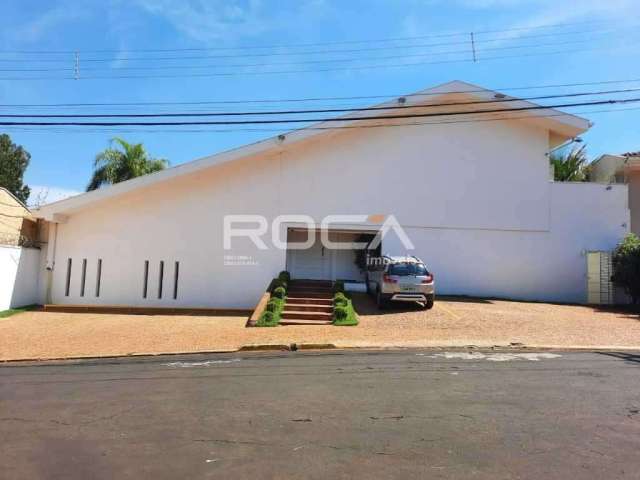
<point>316,44</point>
<point>329,119</point>
<point>340,127</point>
<point>303,62</point>
<point>306,111</point>
<point>322,99</point>
<point>322,70</point>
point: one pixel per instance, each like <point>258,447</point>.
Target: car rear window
<point>404,269</point>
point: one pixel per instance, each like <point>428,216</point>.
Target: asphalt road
<point>331,415</point>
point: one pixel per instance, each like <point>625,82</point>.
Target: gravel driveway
<point>452,322</point>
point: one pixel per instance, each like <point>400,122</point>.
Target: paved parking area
<point>453,322</point>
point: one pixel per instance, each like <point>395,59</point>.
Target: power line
<point>306,111</point>
<point>303,62</point>
<point>323,99</point>
<point>336,127</point>
<point>478,42</point>
<point>330,119</point>
<point>322,70</point>
<point>343,42</point>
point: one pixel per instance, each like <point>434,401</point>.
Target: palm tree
<point>119,164</point>
<point>570,166</point>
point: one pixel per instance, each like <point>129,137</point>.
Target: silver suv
<point>400,279</point>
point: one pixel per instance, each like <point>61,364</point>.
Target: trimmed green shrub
<point>340,312</point>
<point>343,312</point>
<point>273,306</point>
<point>278,283</point>
<point>338,286</point>
<point>279,292</point>
<point>268,319</point>
<point>284,276</point>
<point>626,267</point>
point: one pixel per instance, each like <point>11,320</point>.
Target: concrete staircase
<point>309,302</point>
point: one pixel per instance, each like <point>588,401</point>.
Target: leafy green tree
<point>570,165</point>
<point>626,266</point>
<point>14,160</point>
<point>123,161</point>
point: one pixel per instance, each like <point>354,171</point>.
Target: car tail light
<point>429,278</point>
<point>387,279</point>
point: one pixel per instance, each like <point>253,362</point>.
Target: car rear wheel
<point>428,305</point>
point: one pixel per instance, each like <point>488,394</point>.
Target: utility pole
<point>76,67</point>
<point>473,48</point>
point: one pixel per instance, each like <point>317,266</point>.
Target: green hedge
<point>284,276</point>
<point>344,315</point>
<point>273,310</point>
<point>271,315</point>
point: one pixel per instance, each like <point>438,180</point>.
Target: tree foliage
<point>570,165</point>
<point>14,160</point>
<point>626,266</point>
<point>123,161</point>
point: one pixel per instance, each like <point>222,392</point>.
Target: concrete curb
<point>330,346</point>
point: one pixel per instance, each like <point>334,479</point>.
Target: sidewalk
<point>452,322</point>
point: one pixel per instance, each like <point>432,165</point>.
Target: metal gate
<point>600,289</point>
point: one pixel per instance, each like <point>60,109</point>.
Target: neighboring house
<point>17,226</point>
<point>20,267</point>
<point>624,168</point>
<point>472,194</point>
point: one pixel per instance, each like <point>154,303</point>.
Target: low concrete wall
<point>19,271</point>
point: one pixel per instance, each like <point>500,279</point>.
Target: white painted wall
<point>549,266</point>
<point>474,197</point>
<point>19,270</point>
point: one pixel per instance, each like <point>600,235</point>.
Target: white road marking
<point>496,357</point>
<point>199,364</point>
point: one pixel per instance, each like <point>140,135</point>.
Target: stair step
<point>309,289</point>
<point>308,307</point>
<point>310,301</point>
<point>323,295</point>
<point>296,314</point>
<point>313,283</point>
<point>297,321</point>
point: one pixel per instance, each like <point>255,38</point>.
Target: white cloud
<point>211,20</point>
<point>38,27</point>
<point>534,13</point>
<point>41,194</point>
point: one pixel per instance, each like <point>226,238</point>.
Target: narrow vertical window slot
<point>68,282</point>
<point>176,274</point>
<point>160,278</point>
<point>145,279</point>
<point>98,277</point>
<point>83,276</point>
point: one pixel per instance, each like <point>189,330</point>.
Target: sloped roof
<point>562,125</point>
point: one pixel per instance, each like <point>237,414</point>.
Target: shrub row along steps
<point>309,302</point>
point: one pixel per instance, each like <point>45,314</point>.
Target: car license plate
<point>409,288</point>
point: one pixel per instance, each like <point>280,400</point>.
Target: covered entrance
<point>321,263</point>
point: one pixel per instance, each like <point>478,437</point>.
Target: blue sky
<point>62,158</point>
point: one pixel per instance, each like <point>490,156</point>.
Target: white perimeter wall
<point>19,271</point>
<point>474,197</point>
<point>546,266</point>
